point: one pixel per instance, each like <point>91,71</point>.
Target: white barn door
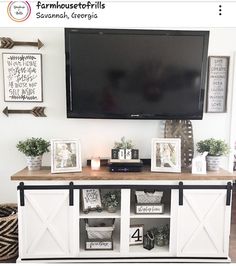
<point>49,226</point>
<point>203,224</point>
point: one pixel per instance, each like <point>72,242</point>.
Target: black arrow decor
<point>36,111</point>
<point>8,43</point>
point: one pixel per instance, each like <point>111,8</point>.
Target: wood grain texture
<point>104,174</point>
<point>182,129</point>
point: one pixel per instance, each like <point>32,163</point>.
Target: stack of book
<point>132,165</point>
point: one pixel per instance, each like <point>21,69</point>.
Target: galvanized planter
<point>213,163</point>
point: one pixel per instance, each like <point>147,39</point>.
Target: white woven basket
<point>99,232</point>
<point>149,197</point>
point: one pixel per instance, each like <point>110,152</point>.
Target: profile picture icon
<point>19,11</point>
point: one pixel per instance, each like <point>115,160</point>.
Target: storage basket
<point>103,230</point>
<point>8,231</point>
<point>149,197</point>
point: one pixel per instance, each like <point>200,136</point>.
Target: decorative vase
<point>34,163</point>
<point>159,239</point>
<point>213,163</point>
<point>111,209</point>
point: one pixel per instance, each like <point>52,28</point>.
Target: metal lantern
<point>148,240</point>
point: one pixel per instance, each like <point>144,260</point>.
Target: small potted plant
<point>33,148</point>
<point>123,144</point>
<point>111,201</point>
<point>124,150</point>
<point>216,149</point>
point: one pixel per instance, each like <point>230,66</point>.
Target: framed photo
<point>136,234</point>
<point>217,85</point>
<point>91,200</point>
<point>65,156</point>
<point>166,155</point>
<point>22,75</point>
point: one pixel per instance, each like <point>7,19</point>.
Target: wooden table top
<point>104,174</point>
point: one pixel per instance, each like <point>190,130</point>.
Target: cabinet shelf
<point>63,234</point>
<point>104,214</point>
<point>138,250</point>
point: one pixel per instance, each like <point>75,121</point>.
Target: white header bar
<point>120,14</point>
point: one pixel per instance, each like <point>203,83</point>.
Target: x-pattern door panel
<point>49,228</point>
<point>203,224</point>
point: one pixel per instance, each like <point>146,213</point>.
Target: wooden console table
<point>52,228</point>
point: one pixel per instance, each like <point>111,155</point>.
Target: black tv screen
<point>135,74</point>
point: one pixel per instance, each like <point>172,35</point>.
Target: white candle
<point>95,163</point>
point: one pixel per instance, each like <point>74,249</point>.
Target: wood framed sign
<point>136,234</point>
<point>22,77</point>
<point>148,208</point>
<point>91,200</point>
<point>217,85</point>
<point>98,244</point>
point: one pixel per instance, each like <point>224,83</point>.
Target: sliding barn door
<point>203,224</point>
<point>49,226</point>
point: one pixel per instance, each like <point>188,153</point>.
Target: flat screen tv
<point>135,74</point>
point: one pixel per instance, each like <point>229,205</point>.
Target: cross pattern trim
<point>202,223</point>
<point>46,222</point>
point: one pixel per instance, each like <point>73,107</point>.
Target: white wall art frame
<point>22,74</point>
<point>166,155</point>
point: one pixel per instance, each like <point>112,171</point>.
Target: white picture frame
<point>166,155</point>
<point>26,85</point>
<point>65,156</point>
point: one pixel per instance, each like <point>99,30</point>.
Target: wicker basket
<point>8,231</point>
<point>149,197</point>
<point>103,230</point>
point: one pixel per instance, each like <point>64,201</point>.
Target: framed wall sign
<point>98,244</point>
<point>136,234</point>
<point>91,200</point>
<point>149,208</point>
<point>166,155</point>
<point>22,77</point>
<point>65,156</point>
<point>217,85</point>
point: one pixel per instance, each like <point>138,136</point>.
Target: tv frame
<point>71,114</point>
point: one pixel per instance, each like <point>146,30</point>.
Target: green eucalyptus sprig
<point>33,146</point>
<point>214,147</point>
<point>111,199</point>
<point>124,144</point>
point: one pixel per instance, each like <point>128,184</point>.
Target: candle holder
<point>95,163</point>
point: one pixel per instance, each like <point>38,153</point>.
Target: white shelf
<point>138,250</point>
<point>166,213</point>
<point>104,214</point>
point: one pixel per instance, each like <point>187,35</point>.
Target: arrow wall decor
<point>8,43</point>
<point>36,111</point>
